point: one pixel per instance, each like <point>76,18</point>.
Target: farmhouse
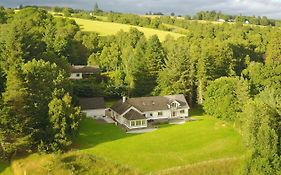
<point>80,71</point>
<point>93,107</point>
<point>136,112</point>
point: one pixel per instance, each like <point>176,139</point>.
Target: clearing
<point>109,28</point>
<point>192,148</point>
<point>170,146</point>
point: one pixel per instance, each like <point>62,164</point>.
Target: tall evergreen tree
<point>155,59</point>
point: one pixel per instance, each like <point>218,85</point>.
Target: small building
<point>93,107</point>
<point>80,71</point>
<point>137,112</point>
<point>221,20</point>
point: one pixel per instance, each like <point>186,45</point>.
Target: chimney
<point>124,99</point>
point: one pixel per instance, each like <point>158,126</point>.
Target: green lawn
<point>5,169</point>
<point>170,146</point>
<point>109,28</point>
<point>207,145</point>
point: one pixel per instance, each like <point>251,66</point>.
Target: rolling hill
<point>188,148</point>
<point>109,28</point>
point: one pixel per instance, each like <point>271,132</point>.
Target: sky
<point>269,8</point>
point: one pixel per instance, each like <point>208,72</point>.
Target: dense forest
<point>233,70</point>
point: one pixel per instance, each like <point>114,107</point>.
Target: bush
<point>225,97</point>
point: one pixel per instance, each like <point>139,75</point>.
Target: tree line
<point>36,106</point>
<point>232,66</point>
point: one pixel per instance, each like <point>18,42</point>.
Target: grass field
<point>5,169</point>
<point>109,28</point>
<point>170,146</point>
<point>207,145</point>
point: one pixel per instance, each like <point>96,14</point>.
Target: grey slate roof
<point>145,104</point>
<point>92,103</point>
<point>84,69</point>
<point>134,115</point>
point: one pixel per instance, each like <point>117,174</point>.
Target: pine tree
<point>16,125</point>
<point>155,59</point>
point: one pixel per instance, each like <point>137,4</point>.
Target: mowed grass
<point>168,147</point>
<point>109,28</point>
<point>5,169</point>
<point>207,146</point>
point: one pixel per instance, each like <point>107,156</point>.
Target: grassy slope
<point>109,28</point>
<point>167,147</point>
<point>208,145</point>
<point>5,169</point>
<point>68,164</point>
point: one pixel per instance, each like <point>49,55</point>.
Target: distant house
<point>136,112</point>
<point>93,107</point>
<point>80,71</point>
<point>221,20</point>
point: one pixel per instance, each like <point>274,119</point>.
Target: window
<point>151,114</point>
<point>77,75</point>
<point>174,105</point>
<point>160,113</point>
<point>182,111</point>
<point>132,123</point>
<point>138,123</point>
<point>143,122</point>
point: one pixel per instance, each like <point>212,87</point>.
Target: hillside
<point>171,146</point>
<point>108,28</point>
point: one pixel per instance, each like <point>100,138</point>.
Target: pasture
<point>109,28</point>
<point>169,146</point>
<point>195,147</point>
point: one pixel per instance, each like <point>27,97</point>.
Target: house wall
<point>76,76</point>
<point>166,113</point>
<point>179,114</point>
<point>120,119</point>
<point>95,112</point>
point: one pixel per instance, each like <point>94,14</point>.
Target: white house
<point>221,20</point>
<point>93,107</point>
<point>136,112</point>
<point>80,71</point>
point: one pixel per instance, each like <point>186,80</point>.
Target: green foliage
<point>15,130</point>
<point>33,33</point>
<point>179,73</point>
<point>225,97</point>
<point>273,51</point>
<point>261,128</point>
<point>24,116</point>
<point>3,16</point>
<point>66,11</point>
<point>261,76</point>
<point>72,163</point>
<point>64,118</point>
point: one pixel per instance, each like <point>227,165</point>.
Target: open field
<point>170,146</point>
<point>109,28</point>
<point>192,148</point>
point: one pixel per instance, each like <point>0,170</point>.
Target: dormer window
<point>175,104</point>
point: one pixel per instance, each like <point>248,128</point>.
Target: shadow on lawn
<point>196,111</point>
<point>92,133</point>
<point>3,167</point>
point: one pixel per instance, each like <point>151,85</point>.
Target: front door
<point>173,113</point>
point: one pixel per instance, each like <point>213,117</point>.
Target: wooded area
<point>233,70</point>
